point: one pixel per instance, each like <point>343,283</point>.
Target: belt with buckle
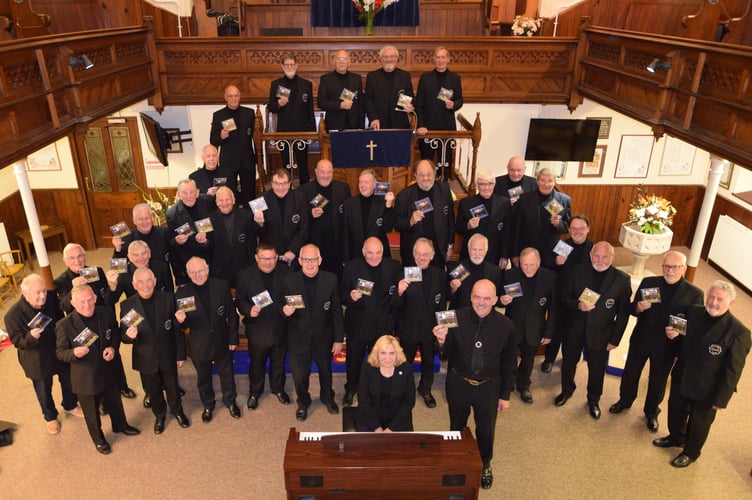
<point>472,381</point>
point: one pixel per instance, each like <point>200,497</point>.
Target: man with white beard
<point>597,301</point>
<point>473,269</point>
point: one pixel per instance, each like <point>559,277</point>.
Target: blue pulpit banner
<point>371,148</point>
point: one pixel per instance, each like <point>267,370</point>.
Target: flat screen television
<point>157,138</point>
<point>561,140</point>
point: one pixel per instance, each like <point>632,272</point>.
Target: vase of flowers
<point>647,231</point>
<point>525,26</point>
<point>367,10</point>
<point>650,213</point>
<point>158,205</point>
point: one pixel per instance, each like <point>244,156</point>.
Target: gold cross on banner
<point>370,146</point>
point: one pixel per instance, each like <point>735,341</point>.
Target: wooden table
<point>48,230</point>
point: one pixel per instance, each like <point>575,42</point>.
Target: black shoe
<point>103,447</point>
<point>206,416</point>
<point>547,366</point>
<point>181,391</point>
<point>348,399</point>
<point>682,460</point>
<point>159,425</point>
<point>129,430</point>
<point>252,402</point>
<point>182,420</point>
<point>595,410</point>
<point>332,407</point>
<point>619,407</point>
<point>147,401</point>
<point>234,410</point>
<point>429,400</point>
<point>301,414</point>
<point>486,478</point>
<point>283,398</point>
<point>100,409</point>
<point>526,397</point>
<point>668,442</point>
<point>561,399</point>
<point>651,421</point>
<point>127,392</point>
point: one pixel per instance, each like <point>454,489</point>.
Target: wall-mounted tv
<point>561,140</point>
<point>157,138</point>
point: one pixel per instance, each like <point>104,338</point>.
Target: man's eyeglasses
<point>667,267</point>
<point>309,260</point>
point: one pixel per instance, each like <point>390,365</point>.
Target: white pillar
<point>32,217</point>
<point>717,165</point>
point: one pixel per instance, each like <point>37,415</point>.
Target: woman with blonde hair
<point>386,394</point>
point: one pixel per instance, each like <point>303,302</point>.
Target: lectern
<point>400,465</point>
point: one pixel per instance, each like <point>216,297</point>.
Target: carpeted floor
<point>541,451</point>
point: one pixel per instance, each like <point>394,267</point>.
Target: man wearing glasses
<point>316,330</point>
<point>656,299</point>
<point>284,223</point>
<point>488,214</point>
<point>341,95</point>
<point>259,287</point>
<point>204,306</point>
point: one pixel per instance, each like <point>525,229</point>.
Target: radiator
<point>729,250</point>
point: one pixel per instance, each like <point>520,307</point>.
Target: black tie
<point>476,363</point>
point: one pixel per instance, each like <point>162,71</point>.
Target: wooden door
<point>113,168</point>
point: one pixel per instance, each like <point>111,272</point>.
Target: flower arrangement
<point>525,26</point>
<point>650,213</point>
<point>367,9</point>
<point>159,205</point>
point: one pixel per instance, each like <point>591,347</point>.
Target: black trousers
<point>660,368</point>
<point>525,366</point>
<point>257,370</point>
<point>357,349</point>
<point>300,364</point>
<point>110,397</point>
<point>552,348</point>
<point>155,383</point>
<point>427,354</point>
<point>43,390</point>
<point>205,385</point>
<point>484,400</point>
<point>596,362</point>
<point>688,419</point>
<point>301,160</point>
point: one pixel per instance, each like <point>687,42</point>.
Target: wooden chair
<point>13,266</point>
<point>6,288</point>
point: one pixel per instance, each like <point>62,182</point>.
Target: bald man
<point>35,342</point>
<point>515,182</point>
<point>341,95</point>
<point>232,133</point>
<point>481,354</point>
<point>211,176</point>
<point>326,198</point>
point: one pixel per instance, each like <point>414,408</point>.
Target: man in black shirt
<point>579,227</point>
<point>367,214</point>
<point>341,95</point>
<point>212,175</point>
<point>185,239</point>
<point>425,209</point>
<point>326,198</point>
<point>384,87</point>
<point>232,133</point>
<point>515,182</point>
<point>439,98</point>
<point>291,97</point>
<point>481,353</point>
